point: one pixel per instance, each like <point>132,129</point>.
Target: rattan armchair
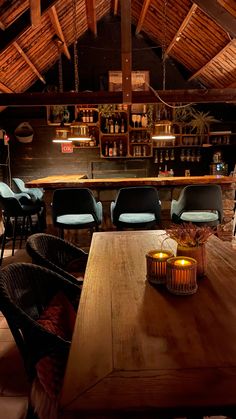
<point>58,255</point>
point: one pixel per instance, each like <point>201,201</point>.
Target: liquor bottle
<point>111,126</point>
<point>121,148</point>
<point>122,126</point>
<point>110,151</point>
<point>117,127</point>
<point>106,149</point>
<point>115,149</point>
<point>161,157</point>
<point>90,116</point>
<point>83,116</point>
<point>106,126</point>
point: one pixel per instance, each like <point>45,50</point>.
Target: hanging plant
<point>200,122</point>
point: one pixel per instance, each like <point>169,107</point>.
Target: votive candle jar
<point>156,265</point>
<point>181,275</point>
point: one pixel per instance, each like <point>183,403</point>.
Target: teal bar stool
<point>198,204</point>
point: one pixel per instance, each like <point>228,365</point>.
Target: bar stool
<point>75,208</point>
<point>136,207</point>
<point>17,210</point>
<point>198,204</point>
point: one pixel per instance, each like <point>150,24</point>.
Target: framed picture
<point>139,79</point>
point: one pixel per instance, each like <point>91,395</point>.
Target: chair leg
<point>4,238</point>
<point>14,236</point>
<point>22,231</point>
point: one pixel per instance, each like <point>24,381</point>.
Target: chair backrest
<point>8,201</point>
<point>201,197</point>
<point>56,254</point>
<point>19,186</point>
<point>25,291</point>
<point>135,200</point>
<point>5,191</point>
<point>73,201</point>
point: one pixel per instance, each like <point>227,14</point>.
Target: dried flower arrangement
<point>190,235</point>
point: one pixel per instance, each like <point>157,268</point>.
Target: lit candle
<point>181,275</point>
<point>156,265</point>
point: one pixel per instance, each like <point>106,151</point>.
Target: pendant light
<point>61,132</point>
<point>162,129</point>
<point>78,132</point>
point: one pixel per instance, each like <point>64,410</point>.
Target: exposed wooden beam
<point>100,97</point>
<point>28,61</point>
<point>230,8</point>
<point>57,28</point>
<point>22,24</point>
<point>126,50</point>
<point>115,7</point>
<point>91,16</point>
<point>202,69</point>
<point>142,15</point>
<point>221,16</point>
<point>2,26</point>
<point>35,12</point>
<point>181,29</point>
<point>5,89</point>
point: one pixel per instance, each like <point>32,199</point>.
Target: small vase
<point>198,253</point>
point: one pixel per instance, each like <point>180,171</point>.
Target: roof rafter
<point>228,7</point>
<point>231,43</point>
<point>181,29</point>
<point>57,27</point>
<point>219,14</point>
<point>2,26</point>
<point>22,24</point>
<point>115,7</point>
<point>35,12</point>
<point>142,16</point>
<point>91,16</point>
<point>28,61</point>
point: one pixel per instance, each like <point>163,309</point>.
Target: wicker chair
<point>58,255</point>
<point>26,291</point>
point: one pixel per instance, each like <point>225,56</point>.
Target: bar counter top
<point>80,180</point>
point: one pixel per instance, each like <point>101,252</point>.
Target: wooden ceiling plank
<point>91,16</point>
<point>181,29</point>
<point>126,50</point>
<point>5,89</point>
<point>35,12</point>
<point>57,28</point>
<point>101,97</point>
<point>219,14</point>
<point>142,16</point>
<point>28,61</point>
<point>115,7</point>
<point>202,69</point>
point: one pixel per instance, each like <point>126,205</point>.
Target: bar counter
<point>169,188</point>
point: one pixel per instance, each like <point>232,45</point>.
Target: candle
<point>156,265</point>
<point>181,275</point>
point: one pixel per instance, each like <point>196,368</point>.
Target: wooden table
<point>141,351</point>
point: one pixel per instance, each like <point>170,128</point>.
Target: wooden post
<point>126,53</point>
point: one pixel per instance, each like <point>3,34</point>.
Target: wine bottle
<point>122,126</point>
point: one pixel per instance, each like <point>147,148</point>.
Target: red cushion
<point>58,318</point>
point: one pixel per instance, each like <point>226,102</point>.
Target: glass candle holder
<point>156,265</point>
<point>181,275</point>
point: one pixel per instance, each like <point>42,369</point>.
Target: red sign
<point>66,147</point>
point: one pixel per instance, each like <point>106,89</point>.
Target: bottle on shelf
<point>122,126</point>
<point>111,126</point>
<point>156,157</point>
<point>90,115</point>
<point>115,149</point>
<point>106,149</point>
<point>144,120</point>
<point>172,155</point>
<point>116,127</point>
<point>110,149</point>
<point>121,148</point>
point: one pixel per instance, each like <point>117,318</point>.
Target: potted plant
<point>191,240</point>
<point>200,123</point>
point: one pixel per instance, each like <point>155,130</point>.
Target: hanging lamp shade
<point>61,134</point>
<point>163,131</point>
<point>79,132</point>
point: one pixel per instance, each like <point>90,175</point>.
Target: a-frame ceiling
<point>200,35</point>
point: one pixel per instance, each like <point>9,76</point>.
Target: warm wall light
<point>156,265</point>
<point>181,275</point>
<point>79,132</point>
<point>61,134</point>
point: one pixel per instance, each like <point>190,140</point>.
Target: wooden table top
<point>69,181</point>
<point>137,348</point>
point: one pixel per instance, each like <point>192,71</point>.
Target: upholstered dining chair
<point>59,255</point>
<point>75,208</point>
<point>17,210</point>
<point>200,204</point>
<point>40,308</point>
<point>136,207</point>
<point>18,185</point>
